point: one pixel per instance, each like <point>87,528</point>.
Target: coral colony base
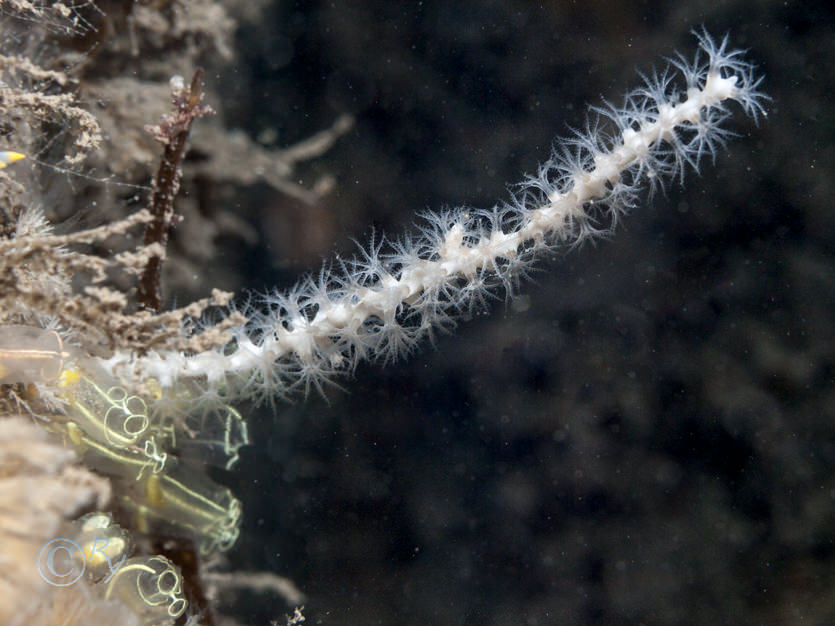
<point>158,405</point>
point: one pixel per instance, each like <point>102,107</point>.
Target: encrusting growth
<point>398,291</point>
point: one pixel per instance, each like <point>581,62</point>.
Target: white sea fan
<point>380,304</point>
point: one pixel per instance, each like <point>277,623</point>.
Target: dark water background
<point>645,436</point>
